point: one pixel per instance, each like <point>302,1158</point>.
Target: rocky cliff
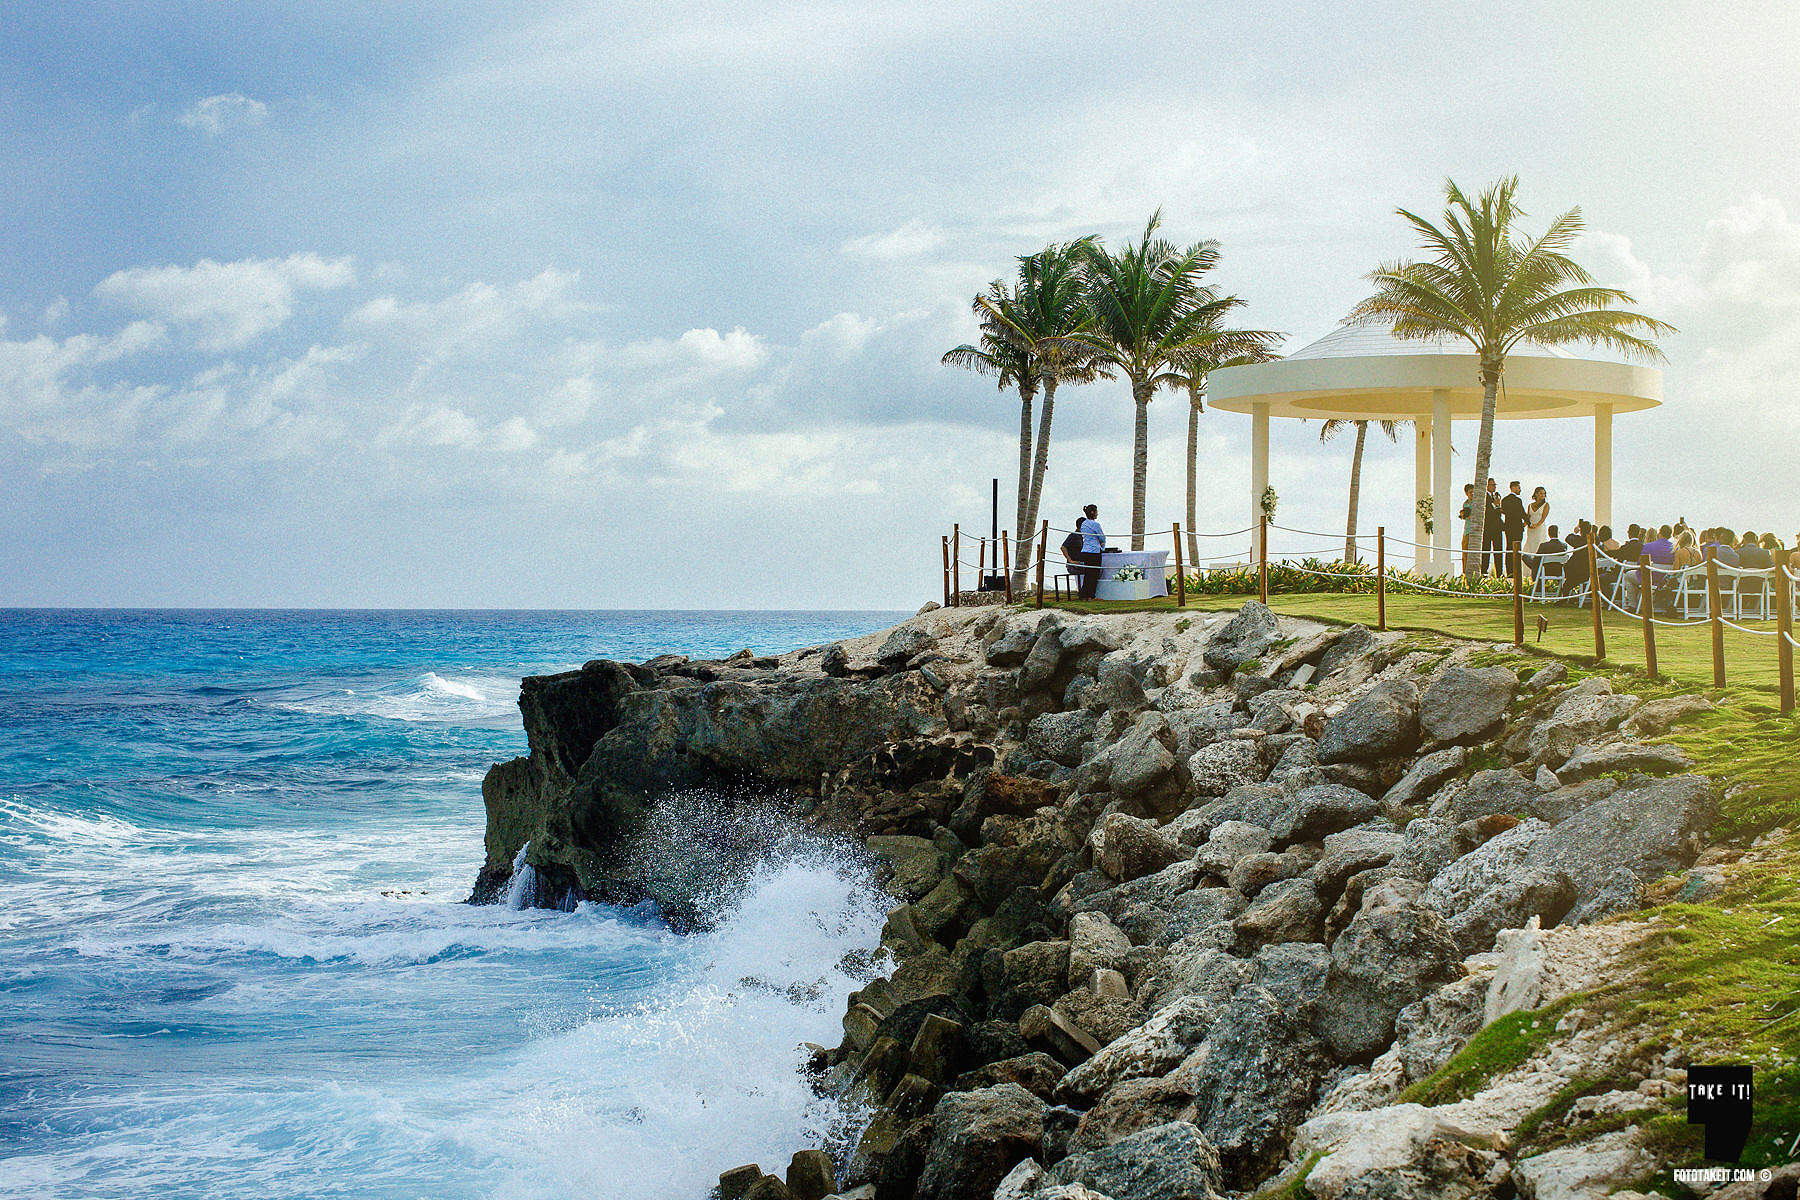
<point>1185,905</point>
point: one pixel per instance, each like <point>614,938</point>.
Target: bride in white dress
<point>1536,514</point>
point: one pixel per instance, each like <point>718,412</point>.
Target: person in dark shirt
<point>1493,533</point>
<point>1719,542</point>
<point>1575,571</point>
<point>1512,515</point>
<point>1751,555</point>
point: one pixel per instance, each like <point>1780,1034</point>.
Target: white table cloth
<point>1154,562</point>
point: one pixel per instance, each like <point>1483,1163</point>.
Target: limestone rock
<point>1486,793</point>
<point>900,645</point>
<point>1128,848</point>
<point>1247,636</point>
<point>1384,961</point>
<point>1462,882</point>
<point>1095,943</point>
<point>1230,843</point>
<point>1131,1106</point>
<point>916,865</point>
<point>1585,1171</point>
<point>1353,850</point>
<point>1217,768</point>
<point>977,1138</point>
<point>1039,667</point>
<point>1252,1079</point>
<point>1585,711</point>
<point>1060,736</point>
<point>1463,703</point>
<point>1641,832</point>
<point>1355,645</point>
<point>1424,777</point>
<point>1399,1152</point>
<point>810,1175</point>
<point>1322,809</point>
<point>1589,761</point>
<point>1152,1049</point>
<point>1657,717</point>
<point>1288,911</point>
<point>1173,1161</point>
<point>1429,1031</point>
<point>1036,1072</point>
<point>1139,761</point>
<point>1383,723</point>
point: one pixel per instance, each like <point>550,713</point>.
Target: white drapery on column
<point>1603,414</point>
<point>1259,474</point>
<point>1421,489</point>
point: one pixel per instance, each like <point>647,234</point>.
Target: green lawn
<point>1683,654</point>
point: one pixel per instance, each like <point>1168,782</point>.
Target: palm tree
<point>1331,429</point>
<point>1000,356</point>
<point>1147,304</point>
<point>1046,309</point>
<point>1206,354</point>
<point>1492,286</point>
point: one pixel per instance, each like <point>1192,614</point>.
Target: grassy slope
<point>1721,979</point>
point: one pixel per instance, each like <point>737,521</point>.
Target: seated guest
<point>1575,571</point>
<point>1553,544</point>
<point>1660,550</point>
<point>1687,553</point>
<point>1608,543</point>
<point>1772,544</point>
<point>1751,555</point>
<point>1719,542</point>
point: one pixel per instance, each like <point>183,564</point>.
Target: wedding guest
<point>1493,533</point>
<point>1093,542</point>
<point>1467,515</point>
<point>1751,555</point>
<point>1575,571</point>
<point>1687,552</point>
<point>1512,513</point>
<point>1660,550</point>
<point>1719,542</point>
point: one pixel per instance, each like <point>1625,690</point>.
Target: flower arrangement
<point>1426,510</point>
<point>1269,501</point>
<point>1129,573</point>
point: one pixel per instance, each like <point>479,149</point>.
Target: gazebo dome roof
<point>1360,372</point>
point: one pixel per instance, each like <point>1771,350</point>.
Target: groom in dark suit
<point>1512,511</point>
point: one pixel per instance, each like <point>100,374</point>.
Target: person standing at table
<point>1093,542</point>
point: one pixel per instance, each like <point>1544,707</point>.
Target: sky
<point>641,305</point>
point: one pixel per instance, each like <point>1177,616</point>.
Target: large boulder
<point>1613,847</point>
<point>1400,1152</point>
<point>1254,1077</point>
<point>1039,667</point>
<point>1386,959</point>
<point>1322,809</point>
<point>1583,713</point>
<point>1497,792</point>
<point>1288,911</point>
<point>1354,850</point>
<point>1657,717</point>
<point>1060,736</point>
<point>1244,638</point>
<point>1383,723</point>
<point>1489,865</point>
<point>903,644</point>
<point>1173,1161</point>
<point>1622,757</point>
<point>1095,944</point>
<point>1154,1048</point>
<point>1217,768</point>
<point>1128,848</point>
<point>977,1137</point>
<point>1140,760</point>
<point>1423,778</point>
<point>1463,703</point>
<point>1229,844</point>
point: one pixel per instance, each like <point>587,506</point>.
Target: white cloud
<point>915,239</point>
<point>480,314</point>
<point>703,349</point>
<point>226,305</point>
<point>214,115</point>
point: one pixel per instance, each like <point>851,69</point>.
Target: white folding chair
<point>1549,571</point>
<point>1690,593</point>
<point>1753,592</point>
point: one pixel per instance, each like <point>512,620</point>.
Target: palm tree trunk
<point>1362,432</point>
<point>1484,453</point>
<point>1140,461</point>
<point>1026,391</point>
<point>1193,480</point>
<point>1040,462</point>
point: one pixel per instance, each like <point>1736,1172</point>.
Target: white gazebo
<point>1360,373</point>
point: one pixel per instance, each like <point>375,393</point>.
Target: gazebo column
<point>1259,474</point>
<point>1421,489</point>
<point>1443,510</point>
<point>1603,414</point>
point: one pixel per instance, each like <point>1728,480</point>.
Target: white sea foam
<point>425,698</point>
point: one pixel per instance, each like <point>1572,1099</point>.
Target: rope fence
<point>1007,564</point>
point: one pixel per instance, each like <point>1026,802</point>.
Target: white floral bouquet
<point>1269,501</point>
<point>1130,573</point>
<point>1426,510</point>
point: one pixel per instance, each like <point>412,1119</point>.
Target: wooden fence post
<point>981,567</point>
<point>1594,593</point>
<point>1784,629</point>
<point>1518,569</point>
<point>946,570</point>
<point>956,565</point>
<point>1717,617</point>
<point>1647,607</point>
<point>1180,578</point>
<point>1043,546</point>
<point>1262,586</point>
<point>1006,557</point>
<point>1381,577</point>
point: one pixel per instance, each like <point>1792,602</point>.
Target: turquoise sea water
<point>234,957</point>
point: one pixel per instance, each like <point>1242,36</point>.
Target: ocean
<point>235,959</point>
